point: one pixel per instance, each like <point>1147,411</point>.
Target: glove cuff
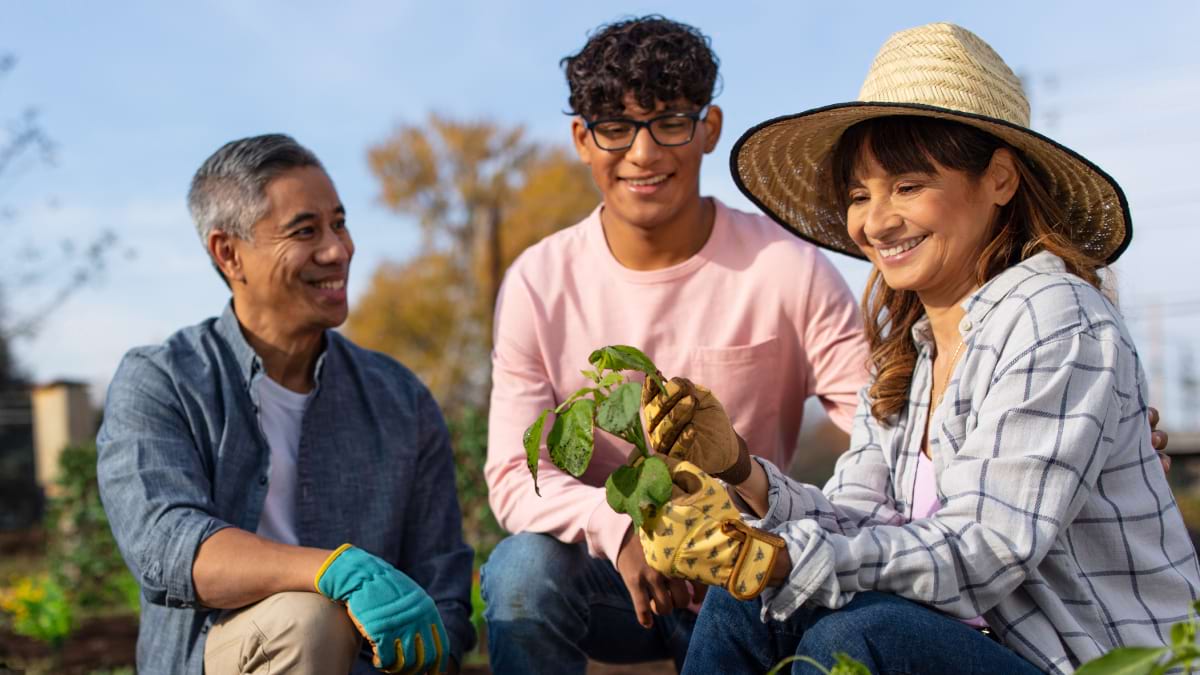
<point>756,559</point>
<point>325,565</point>
<point>740,471</point>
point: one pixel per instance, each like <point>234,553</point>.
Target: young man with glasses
<point>726,298</point>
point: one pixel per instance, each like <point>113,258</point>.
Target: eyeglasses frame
<point>696,117</point>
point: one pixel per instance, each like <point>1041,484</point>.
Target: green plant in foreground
<point>39,609</point>
<point>843,665</point>
<point>614,405</point>
<point>82,553</point>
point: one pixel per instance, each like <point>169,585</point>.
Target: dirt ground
<point>98,644</point>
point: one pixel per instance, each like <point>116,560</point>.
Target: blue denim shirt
<point>181,456</point>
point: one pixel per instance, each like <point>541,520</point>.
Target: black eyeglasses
<point>618,133</point>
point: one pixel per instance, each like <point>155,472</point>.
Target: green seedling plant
<point>613,404</point>
<point>843,665</point>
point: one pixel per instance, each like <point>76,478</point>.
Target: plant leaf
<point>844,664</point>
<point>802,659</point>
<point>632,489</point>
<point>611,379</point>
<point>622,357</point>
<point>1124,661</point>
<point>620,411</point>
<point>592,375</point>
<point>570,439</point>
<point>533,446</point>
<point>1183,634</point>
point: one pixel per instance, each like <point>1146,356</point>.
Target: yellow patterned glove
<point>699,535</point>
<point>688,422</point>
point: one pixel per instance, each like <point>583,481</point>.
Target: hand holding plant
<point>687,422</point>
<point>614,405</point>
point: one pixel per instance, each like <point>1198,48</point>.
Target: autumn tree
<point>481,194</point>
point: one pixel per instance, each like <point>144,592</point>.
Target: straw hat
<point>939,70</point>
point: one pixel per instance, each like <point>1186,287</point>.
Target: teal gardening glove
<point>391,611</point>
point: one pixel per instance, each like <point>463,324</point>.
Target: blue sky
<point>137,94</point>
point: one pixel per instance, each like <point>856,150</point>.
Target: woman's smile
<point>895,252</point>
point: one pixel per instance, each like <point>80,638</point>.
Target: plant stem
<point>806,659</point>
<point>637,438</point>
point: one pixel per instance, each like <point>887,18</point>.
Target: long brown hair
<point>1031,222</point>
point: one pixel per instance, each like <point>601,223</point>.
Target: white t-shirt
<point>280,412</point>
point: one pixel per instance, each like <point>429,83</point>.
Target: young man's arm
<point>831,323</point>
<point>567,508</point>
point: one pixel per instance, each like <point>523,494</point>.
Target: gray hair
<point>227,191</point>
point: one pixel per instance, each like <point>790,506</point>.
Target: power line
<point>1139,311</point>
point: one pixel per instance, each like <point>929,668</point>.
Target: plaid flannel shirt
<point>1057,524</point>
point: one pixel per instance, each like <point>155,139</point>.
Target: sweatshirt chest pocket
<point>746,380</point>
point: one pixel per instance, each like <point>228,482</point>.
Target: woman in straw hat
<point>1000,509</point>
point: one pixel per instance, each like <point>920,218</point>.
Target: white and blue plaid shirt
<point>1056,525</point>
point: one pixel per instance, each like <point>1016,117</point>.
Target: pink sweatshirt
<point>758,316</point>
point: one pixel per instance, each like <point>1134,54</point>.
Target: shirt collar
<point>230,330</point>
<point>980,304</point>
<point>249,363</point>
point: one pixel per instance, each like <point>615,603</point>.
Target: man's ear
<point>579,136</point>
<point>222,248</point>
<point>1001,177</point>
<point>712,127</point>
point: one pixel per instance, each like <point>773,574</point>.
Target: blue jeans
<point>551,606</point>
<point>888,634</point>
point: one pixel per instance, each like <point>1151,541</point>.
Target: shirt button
<point>262,480</point>
<point>965,325</point>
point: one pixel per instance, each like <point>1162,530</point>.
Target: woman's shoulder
<point>1038,300</point>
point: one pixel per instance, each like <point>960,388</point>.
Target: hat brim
<point>783,166</point>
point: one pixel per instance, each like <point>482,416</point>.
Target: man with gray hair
<point>238,458</point>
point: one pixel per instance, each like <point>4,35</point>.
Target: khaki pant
<point>294,633</point>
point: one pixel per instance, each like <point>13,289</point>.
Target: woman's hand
<point>700,536</point>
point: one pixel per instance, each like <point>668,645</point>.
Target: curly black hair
<point>651,57</point>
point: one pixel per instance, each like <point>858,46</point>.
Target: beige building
<point>62,416</point>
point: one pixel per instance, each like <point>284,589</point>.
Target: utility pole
<point>1158,370</point>
<point>1189,386</point>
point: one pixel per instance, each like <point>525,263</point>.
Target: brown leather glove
<point>687,422</point>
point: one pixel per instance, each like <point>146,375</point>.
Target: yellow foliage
<point>480,192</point>
<point>415,311</point>
<point>17,600</point>
<point>38,608</point>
